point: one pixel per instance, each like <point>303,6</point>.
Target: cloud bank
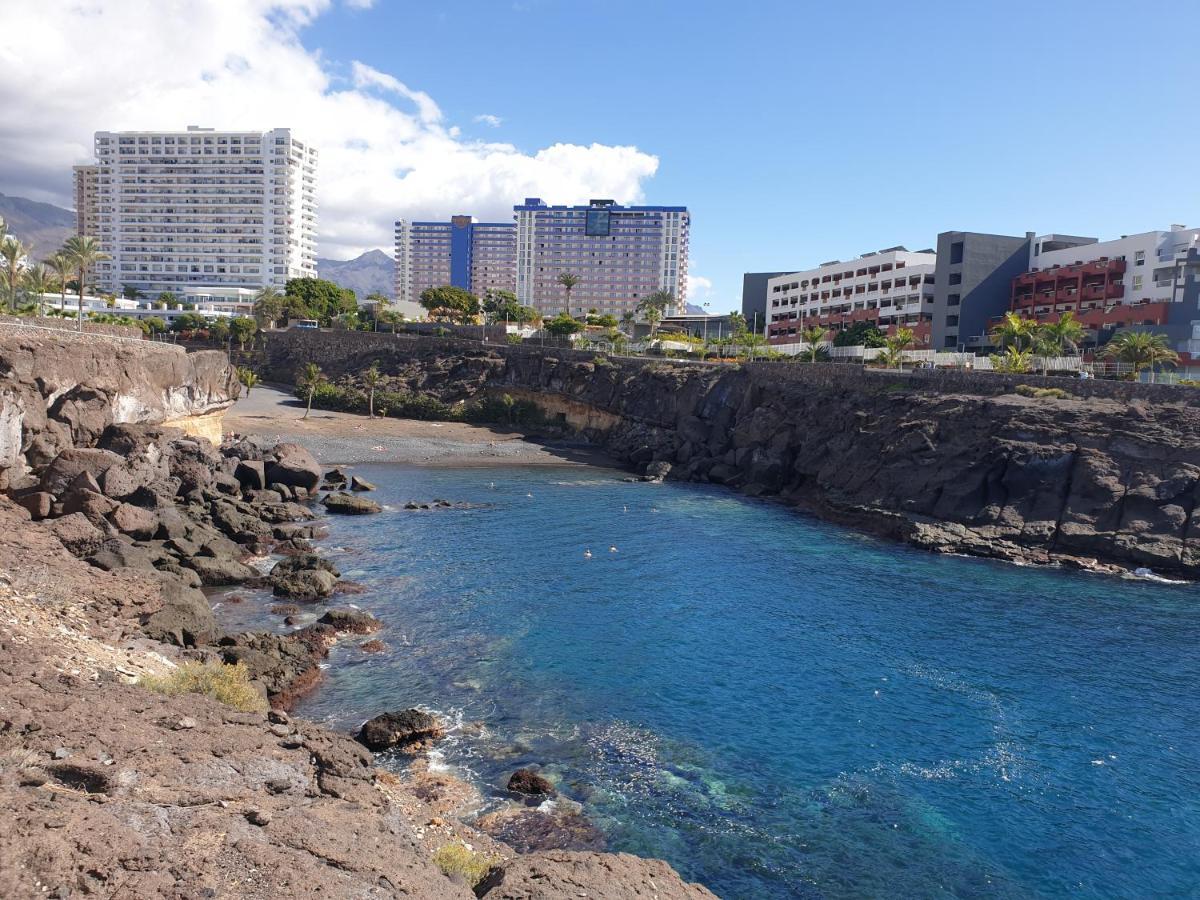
<point>386,149</point>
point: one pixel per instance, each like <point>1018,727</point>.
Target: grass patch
<point>1041,393</point>
<point>228,684</point>
<point>471,865</point>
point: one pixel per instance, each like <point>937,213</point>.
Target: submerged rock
<point>408,731</point>
<point>527,781</point>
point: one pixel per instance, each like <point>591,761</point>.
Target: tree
<point>131,292</point>
<point>165,299</point>
<point>12,257</point>
<point>243,328</point>
<point>1014,331</point>
<point>562,325</point>
<point>568,281</point>
<point>500,305</point>
<point>892,354</point>
<point>814,336</point>
<point>860,334</point>
<point>1141,350</point>
<point>60,265</point>
<point>154,325</point>
<point>37,282</point>
<point>654,306</point>
<point>188,321</point>
<point>1013,361</point>
<point>84,252</point>
<point>450,302</point>
<point>316,298</point>
<point>628,318</point>
<point>371,379</point>
<point>219,330</point>
<point>311,378</point>
<point>247,378</point>
<point>268,306</point>
<point>1065,335</point>
<point>605,321</point>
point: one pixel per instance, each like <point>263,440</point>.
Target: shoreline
<point>339,438</point>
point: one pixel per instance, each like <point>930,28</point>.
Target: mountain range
<point>373,272</point>
<point>43,227</point>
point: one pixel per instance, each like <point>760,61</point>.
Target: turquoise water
<point>782,708</point>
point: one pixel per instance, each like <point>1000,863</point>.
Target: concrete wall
<point>989,264</point>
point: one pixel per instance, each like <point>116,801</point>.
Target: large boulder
<point>134,521</point>
<point>302,561</point>
<point>570,873</point>
<point>92,504</point>
<point>219,570</point>
<point>38,504</point>
<point>345,504</point>
<point>294,466</point>
<point>351,621</point>
<point>307,585</point>
<point>408,731</point>
<point>77,534</point>
<point>252,473</point>
<point>70,464</point>
<point>185,619</point>
<point>360,484</point>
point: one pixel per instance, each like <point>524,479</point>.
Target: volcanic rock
<point>527,781</point>
<point>408,731</point>
<point>349,505</point>
<point>294,466</point>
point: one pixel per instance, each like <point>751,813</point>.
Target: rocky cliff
<point>60,390</point>
<point>1108,475</point>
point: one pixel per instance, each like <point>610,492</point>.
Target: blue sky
<point>799,132</point>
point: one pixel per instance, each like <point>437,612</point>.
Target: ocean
<point>777,706</point>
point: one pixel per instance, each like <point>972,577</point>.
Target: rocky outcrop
<point>950,462</point>
<point>408,731</point>
<point>565,873</point>
<point>62,390</point>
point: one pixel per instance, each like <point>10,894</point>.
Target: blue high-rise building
<point>475,256</point>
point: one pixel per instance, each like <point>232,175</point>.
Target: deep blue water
<point>779,707</point>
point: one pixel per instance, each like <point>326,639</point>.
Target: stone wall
<point>53,323</point>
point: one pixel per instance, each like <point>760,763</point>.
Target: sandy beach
<point>337,438</point>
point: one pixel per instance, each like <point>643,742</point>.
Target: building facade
<point>754,297</point>
<point>177,209</point>
<point>475,256</point>
<point>619,254</point>
<point>890,288</point>
<point>87,186</point>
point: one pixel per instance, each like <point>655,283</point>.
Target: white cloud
<point>700,290</point>
<point>386,150</point>
<point>489,119</point>
<point>360,4</point>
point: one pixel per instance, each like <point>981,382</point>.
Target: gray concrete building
<point>973,283</point>
<point>754,296</point>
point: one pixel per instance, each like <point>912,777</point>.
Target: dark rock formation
<point>349,505</point>
<point>408,731</point>
<point>527,781</point>
<point>351,621</point>
<point>954,462</point>
<point>292,465</point>
<point>360,484</point>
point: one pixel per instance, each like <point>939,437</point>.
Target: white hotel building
<point>620,254</point>
<point>220,209</point>
<point>889,288</point>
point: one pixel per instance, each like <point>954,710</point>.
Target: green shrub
<point>1028,390</point>
<point>514,339</point>
<point>504,410</point>
<point>228,684</point>
<point>458,859</point>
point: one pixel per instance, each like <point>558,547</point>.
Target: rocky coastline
<point>113,785</point>
<point>1101,476</point>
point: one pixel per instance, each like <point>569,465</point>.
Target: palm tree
<point>310,379</point>
<point>268,305</point>
<point>894,347</point>
<point>654,306</point>
<point>1014,331</point>
<point>568,281</point>
<point>247,378</point>
<point>37,282</point>
<point>813,336</point>
<point>12,255</point>
<point>1065,335</point>
<point>1013,361</point>
<point>61,266</point>
<point>371,380</point>
<point>83,252</point>
<point>1141,349</point>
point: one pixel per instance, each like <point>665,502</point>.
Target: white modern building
<point>219,209</point>
<point>888,288</point>
<point>619,254</point>
<point>475,256</point>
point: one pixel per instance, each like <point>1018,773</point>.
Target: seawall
<point>956,462</point>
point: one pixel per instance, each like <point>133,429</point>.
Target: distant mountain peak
<point>43,227</point>
<point>373,272</point>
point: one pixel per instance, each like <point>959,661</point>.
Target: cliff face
<point>959,464</point>
<point>60,390</point>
